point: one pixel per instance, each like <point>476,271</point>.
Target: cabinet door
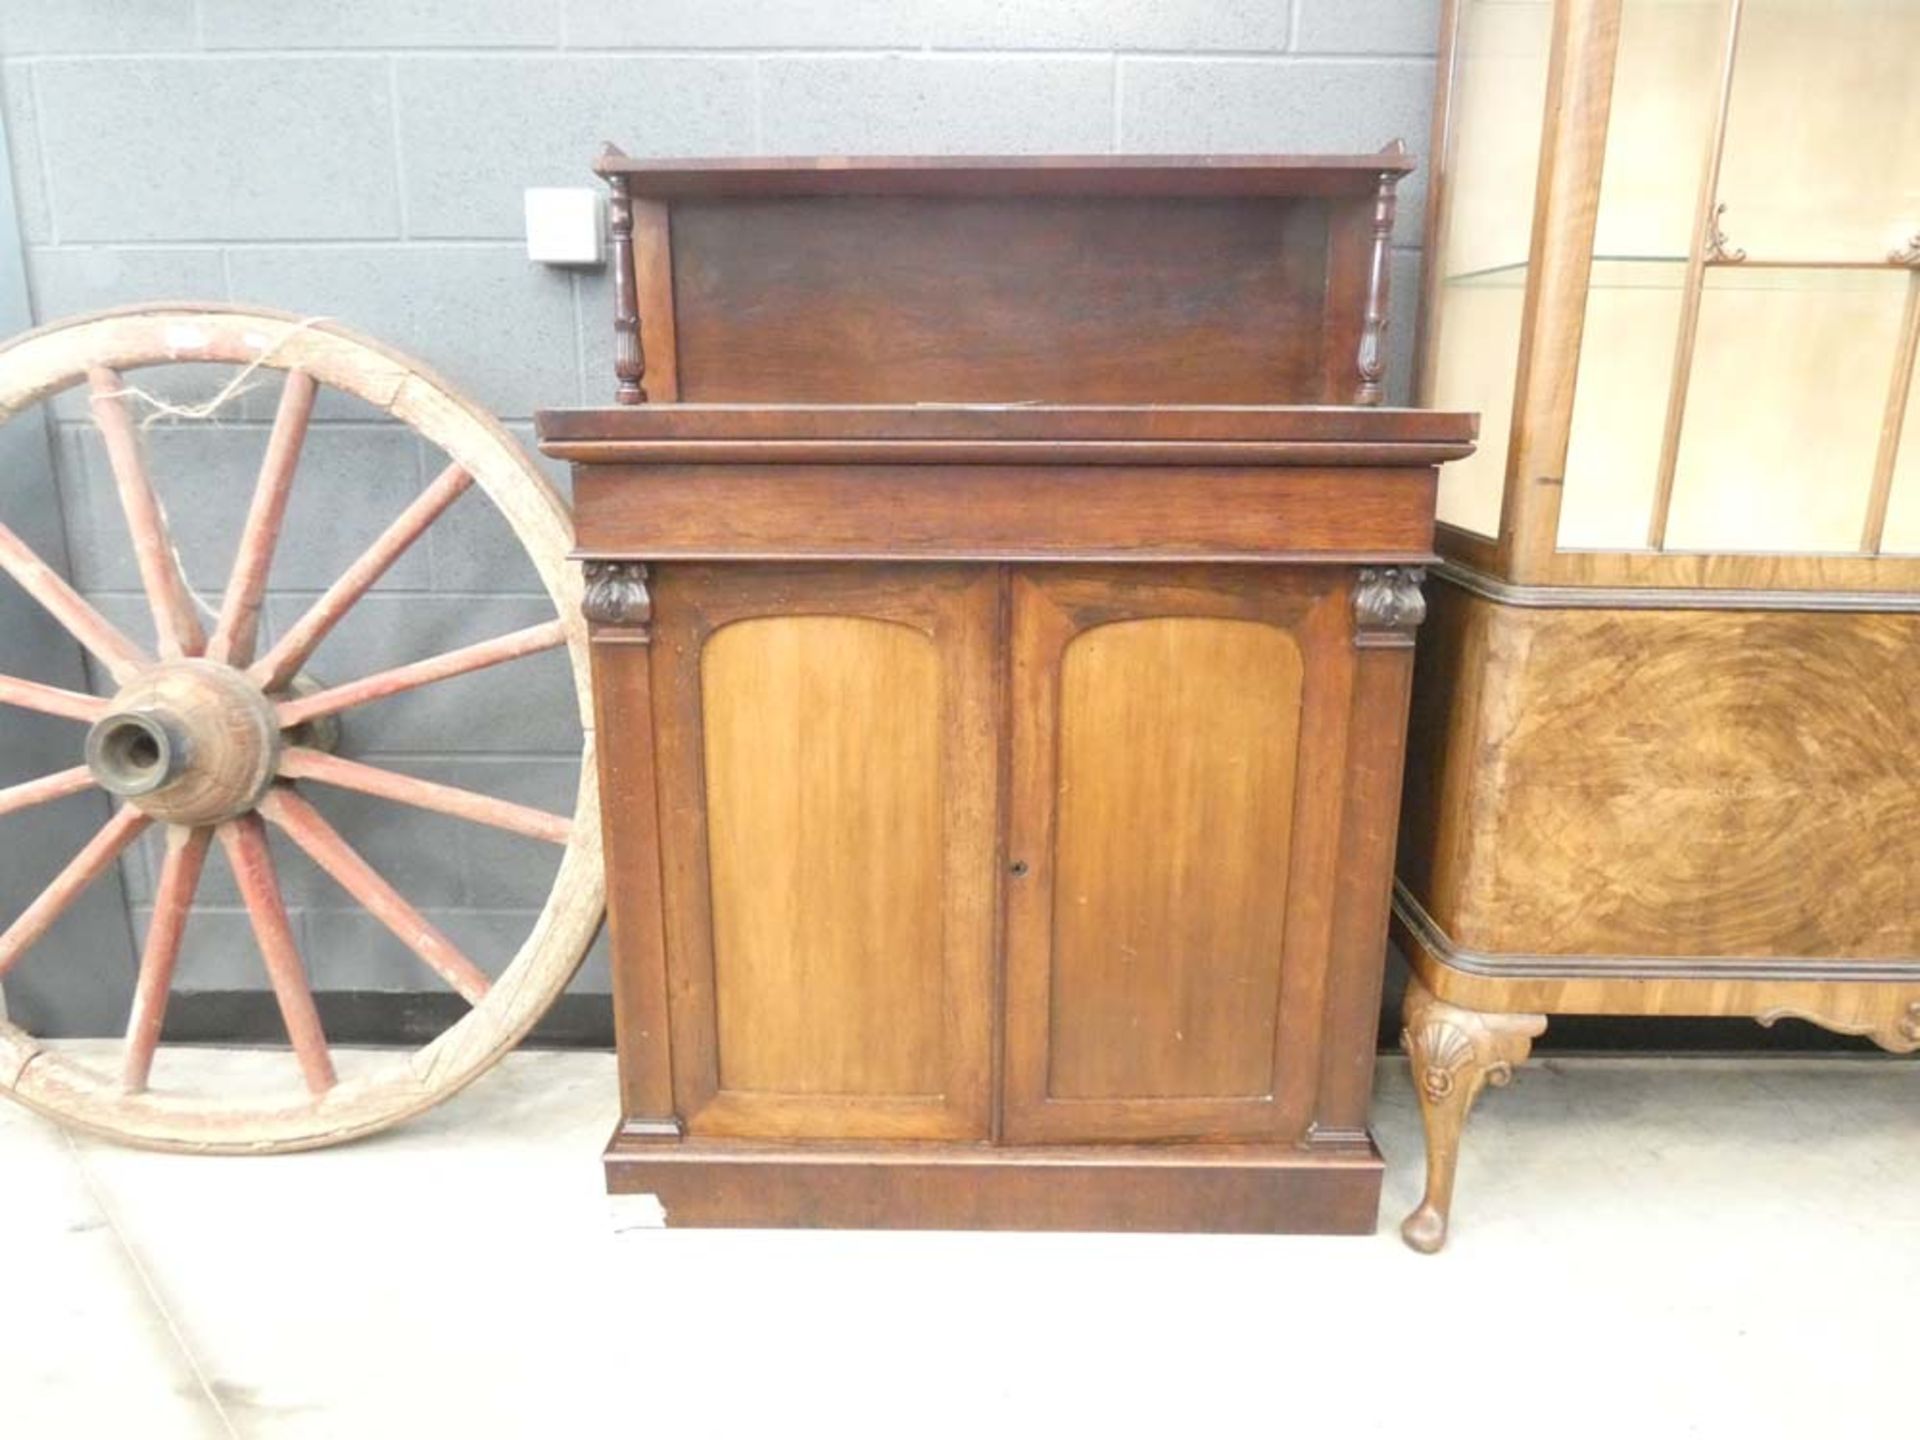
<point>1177,745</point>
<point>828,789</point>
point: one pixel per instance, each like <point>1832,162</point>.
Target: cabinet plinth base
<point>1241,1189</point>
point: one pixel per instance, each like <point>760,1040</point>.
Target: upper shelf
<point>1060,279</point>
<point>1194,176</point>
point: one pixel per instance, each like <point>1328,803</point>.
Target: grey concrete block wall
<point>364,160</point>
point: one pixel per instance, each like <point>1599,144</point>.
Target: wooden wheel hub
<point>189,742</point>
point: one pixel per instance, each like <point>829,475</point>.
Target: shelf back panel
<point>878,299</point>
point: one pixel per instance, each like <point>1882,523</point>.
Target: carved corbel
<point>617,596</point>
<point>1387,605</point>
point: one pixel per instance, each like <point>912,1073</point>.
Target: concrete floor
<point>1649,1248</point>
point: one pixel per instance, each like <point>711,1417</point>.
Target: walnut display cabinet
<point>1666,711</point>
<point>1003,587</point>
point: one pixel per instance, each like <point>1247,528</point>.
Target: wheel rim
<point>196,736</point>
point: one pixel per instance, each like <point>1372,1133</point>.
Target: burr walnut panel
<point>1730,784</point>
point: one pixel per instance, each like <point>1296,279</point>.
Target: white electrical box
<point>564,226</point>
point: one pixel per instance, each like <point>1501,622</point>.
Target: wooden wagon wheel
<point>205,738</point>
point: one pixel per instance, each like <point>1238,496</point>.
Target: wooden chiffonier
<point>1667,707</point>
<point>1003,595</point>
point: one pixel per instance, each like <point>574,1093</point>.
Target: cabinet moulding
<point>1897,970</point>
<point>1609,597</point>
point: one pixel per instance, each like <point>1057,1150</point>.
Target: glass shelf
<point>1516,273</point>
<point>1611,271</point>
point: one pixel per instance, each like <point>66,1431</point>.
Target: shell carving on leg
<point>1454,1053</point>
<point>1444,1051</point>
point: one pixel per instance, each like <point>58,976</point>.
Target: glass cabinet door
<point>1784,409</point>
<point>1659,124</point>
<point>1484,234</point>
<point>1752,317</point>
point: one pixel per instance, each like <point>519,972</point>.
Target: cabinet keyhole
<point>1018,868</point>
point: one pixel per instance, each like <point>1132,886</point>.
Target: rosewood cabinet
<point>1000,796</point>
<point>1666,711</point>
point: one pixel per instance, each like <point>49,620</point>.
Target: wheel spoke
<point>329,850</point>
<point>120,655</point>
<point>276,669</point>
<point>172,904</point>
<point>50,699</point>
<point>86,867</point>
<point>245,841</point>
<point>530,641</point>
<point>297,762</point>
<point>175,620</point>
<point>47,787</point>
<point>238,627</point>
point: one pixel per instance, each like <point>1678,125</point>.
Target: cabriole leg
<point>1454,1053</point>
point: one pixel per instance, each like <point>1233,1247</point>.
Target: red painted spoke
<point>276,669</point>
<point>47,787</point>
<point>297,762</point>
<point>175,621</point>
<point>86,867</point>
<point>530,641</point>
<point>245,841</point>
<point>172,904</point>
<point>50,699</point>
<point>238,627</point>
<point>329,850</point>
<point>121,656</point>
